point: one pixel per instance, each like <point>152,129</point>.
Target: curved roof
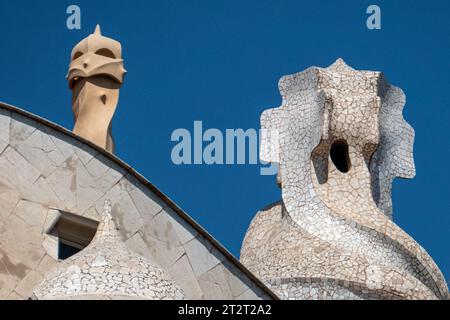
<point>132,172</point>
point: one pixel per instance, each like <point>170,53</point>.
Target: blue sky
<point>220,62</point>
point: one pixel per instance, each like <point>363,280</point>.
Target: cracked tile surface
<point>44,171</point>
<point>340,139</point>
<point>107,268</point>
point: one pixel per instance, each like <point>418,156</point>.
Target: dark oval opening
<point>77,55</point>
<point>105,52</point>
<point>339,155</point>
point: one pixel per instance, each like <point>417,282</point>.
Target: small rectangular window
<point>73,232</point>
<point>66,250</point>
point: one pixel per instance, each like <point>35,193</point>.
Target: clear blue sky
<point>219,62</point>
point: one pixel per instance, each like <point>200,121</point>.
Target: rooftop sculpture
<point>52,189</point>
<point>340,139</point>
<point>95,76</point>
<point>107,269</point>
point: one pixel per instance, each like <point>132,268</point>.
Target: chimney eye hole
<point>77,55</point>
<point>105,52</point>
<point>339,155</point>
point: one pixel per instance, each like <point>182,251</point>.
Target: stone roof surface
<point>107,268</point>
<point>46,170</point>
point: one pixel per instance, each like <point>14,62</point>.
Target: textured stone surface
<point>183,230</point>
<point>332,235</point>
<point>8,201</point>
<point>21,241</point>
<point>5,120</point>
<point>106,267</point>
<point>45,171</point>
<point>77,178</point>
<point>16,171</point>
<point>40,151</point>
<point>214,284</point>
<point>201,257</point>
<point>182,270</point>
<point>32,213</point>
<point>21,128</point>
